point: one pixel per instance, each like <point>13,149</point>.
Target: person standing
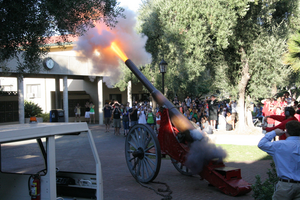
<point>233,105</point>
<point>87,112</point>
<point>133,115</point>
<point>150,118</point>
<point>125,119</point>
<point>213,111</point>
<point>228,121</point>
<point>158,119</point>
<point>188,101</point>
<point>175,101</point>
<point>142,116</point>
<point>289,100</point>
<point>77,112</point>
<point>116,115</point>
<point>107,115</point>
<point>286,156</point>
<point>92,112</point>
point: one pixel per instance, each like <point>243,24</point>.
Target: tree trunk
<point>242,91</point>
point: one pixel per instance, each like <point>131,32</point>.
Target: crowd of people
<point>89,113</point>
<point>139,113</point>
<point>208,115</point>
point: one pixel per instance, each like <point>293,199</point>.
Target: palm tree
<point>292,57</point>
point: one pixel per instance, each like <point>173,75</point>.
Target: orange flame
<point>118,51</point>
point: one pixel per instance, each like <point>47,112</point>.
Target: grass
<point>244,153</point>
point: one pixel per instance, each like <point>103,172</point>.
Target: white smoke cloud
<point>94,46</point>
<point>201,152</point>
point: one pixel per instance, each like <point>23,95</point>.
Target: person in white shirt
<point>286,155</point>
<point>142,115</point>
<point>188,101</point>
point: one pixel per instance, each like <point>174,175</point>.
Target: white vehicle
<point>48,183</point>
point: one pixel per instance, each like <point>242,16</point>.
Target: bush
<point>45,116</point>
<point>32,109</point>
<point>265,190</point>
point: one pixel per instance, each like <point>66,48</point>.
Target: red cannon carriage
<point>144,149</point>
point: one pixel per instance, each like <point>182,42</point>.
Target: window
<point>7,87</point>
<point>33,91</point>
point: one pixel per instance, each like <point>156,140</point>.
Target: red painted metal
<point>226,179</point>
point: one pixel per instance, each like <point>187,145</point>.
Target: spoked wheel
<point>181,168</point>
<point>142,152</point>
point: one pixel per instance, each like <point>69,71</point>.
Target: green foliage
<point>264,190</point>
<point>45,116</point>
<point>25,26</point>
<point>292,57</point>
<point>230,47</point>
<point>202,42</point>
<point>32,109</point>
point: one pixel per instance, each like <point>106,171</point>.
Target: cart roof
<point>18,132</point>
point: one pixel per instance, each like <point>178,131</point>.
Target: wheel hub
<point>138,153</point>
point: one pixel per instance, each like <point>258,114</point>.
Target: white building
<point>63,82</point>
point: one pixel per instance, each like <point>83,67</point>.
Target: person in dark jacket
<point>116,115</point>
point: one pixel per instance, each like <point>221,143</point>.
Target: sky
<point>131,4</point>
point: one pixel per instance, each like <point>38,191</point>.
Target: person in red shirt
<point>289,116</point>
<point>158,119</point>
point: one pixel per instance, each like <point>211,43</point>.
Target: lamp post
<point>163,69</point>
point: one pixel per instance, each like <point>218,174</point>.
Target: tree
<point>292,57</point>
<point>168,44</point>
<point>27,24</point>
<point>237,44</point>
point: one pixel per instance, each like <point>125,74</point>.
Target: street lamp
<point>163,69</point>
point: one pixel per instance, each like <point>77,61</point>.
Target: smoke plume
<point>94,47</point>
<point>201,152</point>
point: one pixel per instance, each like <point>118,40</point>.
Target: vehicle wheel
<point>181,168</point>
<point>142,152</point>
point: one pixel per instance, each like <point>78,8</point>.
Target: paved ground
<point>118,182</point>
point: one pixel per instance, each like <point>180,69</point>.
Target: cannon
<point>144,149</point>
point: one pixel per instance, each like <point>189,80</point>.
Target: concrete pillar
<point>100,99</point>
<point>57,94</point>
<point>66,98</point>
<point>21,99</point>
<point>129,93</point>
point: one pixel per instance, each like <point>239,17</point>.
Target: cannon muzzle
<point>176,117</point>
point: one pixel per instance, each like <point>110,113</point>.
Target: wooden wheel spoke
<point>150,160</point>
<point>131,159</point>
<point>134,137</point>
<point>142,139</point>
<point>138,164</point>
<point>133,145</point>
<point>150,154</point>
<point>149,148</point>
<point>181,168</point>
<point>142,164</point>
<point>146,166</point>
<point>147,142</point>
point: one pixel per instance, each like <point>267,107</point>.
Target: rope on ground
<point>159,191</point>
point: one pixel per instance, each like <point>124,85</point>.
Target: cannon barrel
<point>176,117</point>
